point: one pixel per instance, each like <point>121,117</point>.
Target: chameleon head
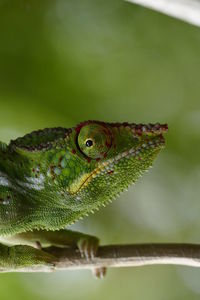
<point>108,157</point>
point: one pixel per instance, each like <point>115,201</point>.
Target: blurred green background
<point>62,62</point>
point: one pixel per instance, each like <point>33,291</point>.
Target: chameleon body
<point>51,178</point>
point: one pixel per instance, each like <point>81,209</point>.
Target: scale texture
<point>51,178</point>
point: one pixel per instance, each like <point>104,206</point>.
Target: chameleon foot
<point>88,246</point>
<point>100,272</point>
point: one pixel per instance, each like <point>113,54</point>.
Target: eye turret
<point>94,140</point>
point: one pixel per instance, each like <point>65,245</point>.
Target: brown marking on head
<point>110,172</point>
<point>73,151</point>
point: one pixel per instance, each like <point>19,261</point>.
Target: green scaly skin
<point>53,177</point>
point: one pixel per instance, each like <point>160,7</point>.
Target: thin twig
<point>186,10</point>
<point>122,256</point>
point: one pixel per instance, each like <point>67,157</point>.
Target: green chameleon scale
<point>53,177</point>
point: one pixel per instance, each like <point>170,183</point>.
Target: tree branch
<point>122,256</point>
<point>186,10</point>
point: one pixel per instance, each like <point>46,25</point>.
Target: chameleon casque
<point>51,178</point>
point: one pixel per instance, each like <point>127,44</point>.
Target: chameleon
<point>53,177</point>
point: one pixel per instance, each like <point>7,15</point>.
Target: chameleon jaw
<point>108,165</point>
<point>83,180</point>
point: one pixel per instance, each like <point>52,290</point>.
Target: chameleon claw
<point>99,273</point>
<point>88,247</point>
<point>38,245</point>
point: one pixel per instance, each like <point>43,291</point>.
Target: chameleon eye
<point>94,140</point>
<point>89,143</point>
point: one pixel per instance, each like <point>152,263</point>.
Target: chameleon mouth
<point>108,165</point>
